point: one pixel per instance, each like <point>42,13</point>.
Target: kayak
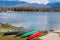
<point>10,33</point>
<point>14,32</point>
<point>21,33</point>
<point>30,33</point>
<point>35,35</point>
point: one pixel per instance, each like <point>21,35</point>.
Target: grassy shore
<point>12,37</point>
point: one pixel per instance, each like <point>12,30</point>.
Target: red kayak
<point>35,35</point>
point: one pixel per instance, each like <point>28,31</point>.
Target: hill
<point>18,3</point>
<point>11,3</point>
<point>55,4</point>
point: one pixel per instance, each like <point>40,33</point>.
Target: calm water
<point>34,20</point>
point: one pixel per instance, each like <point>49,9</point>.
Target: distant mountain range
<point>22,3</point>
<point>11,3</point>
<point>19,3</point>
<point>56,4</point>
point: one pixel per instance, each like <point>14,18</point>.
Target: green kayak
<point>30,33</point>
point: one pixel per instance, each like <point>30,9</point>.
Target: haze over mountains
<point>22,3</point>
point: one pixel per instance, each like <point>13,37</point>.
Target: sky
<point>35,1</point>
<point>54,0</point>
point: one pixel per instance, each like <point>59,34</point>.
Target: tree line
<point>18,9</point>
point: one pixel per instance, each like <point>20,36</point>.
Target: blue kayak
<point>15,32</point>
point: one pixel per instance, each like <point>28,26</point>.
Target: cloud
<point>9,0</point>
<point>31,1</point>
<point>37,1</point>
<point>54,0</point>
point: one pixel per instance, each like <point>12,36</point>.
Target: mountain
<point>23,3</point>
<point>11,3</point>
<point>31,5</point>
<point>19,3</point>
<point>55,4</point>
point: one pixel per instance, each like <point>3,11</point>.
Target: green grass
<point>8,26</point>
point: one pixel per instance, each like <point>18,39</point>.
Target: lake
<point>34,20</point>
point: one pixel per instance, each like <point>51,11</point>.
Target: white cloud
<point>9,0</point>
<point>54,0</point>
<point>31,1</point>
<point>36,1</point>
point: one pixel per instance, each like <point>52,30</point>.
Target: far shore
<point>29,9</point>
